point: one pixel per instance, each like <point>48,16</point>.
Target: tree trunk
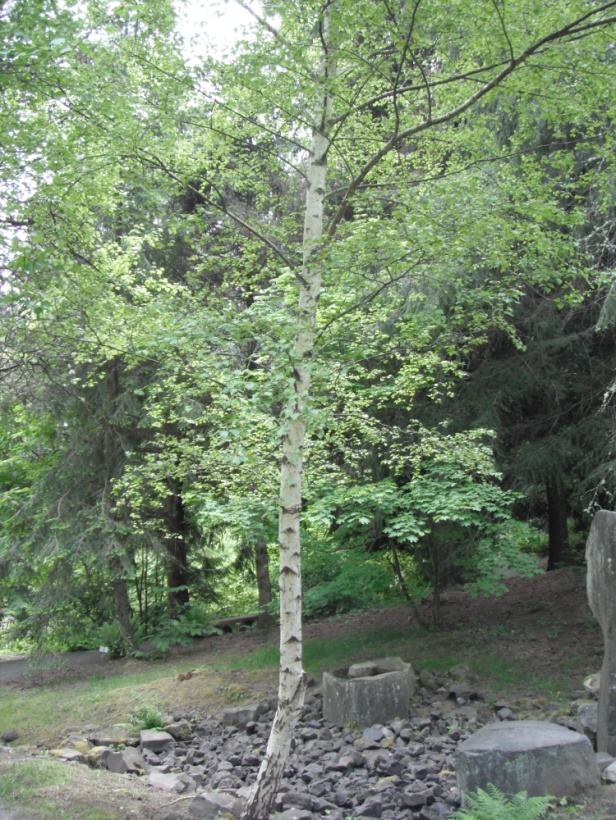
<point>264,585</point>
<point>558,532</point>
<point>177,549</point>
<point>292,679</point>
<point>122,605</point>
<point>120,588</point>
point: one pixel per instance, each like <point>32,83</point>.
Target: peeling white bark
<point>292,681</point>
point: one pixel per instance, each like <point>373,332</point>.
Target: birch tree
<point>396,95</point>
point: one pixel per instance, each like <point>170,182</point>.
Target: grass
<point>48,712</point>
<point>30,784</point>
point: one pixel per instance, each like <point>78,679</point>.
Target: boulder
<point>527,755</point>
<point>211,804</point>
<point>128,760</point>
<point>601,588</point>
<point>240,716</point>
<point>179,730</point>
<point>97,756</point>
<point>168,782</point>
<point>70,755</point>
<point>609,773</point>
<point>369,699</point>
<point>154,740</point>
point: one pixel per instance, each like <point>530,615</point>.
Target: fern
<point>494,805</point>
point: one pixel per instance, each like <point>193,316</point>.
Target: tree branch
<point>575,27</point>
<point>158,163</point>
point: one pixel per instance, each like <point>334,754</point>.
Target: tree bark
<point>292,679</point>
<point>120,588</point>
<point>264,585</point>
<point>177,549</point>
<point>122,605</point>
<point>558,532</point>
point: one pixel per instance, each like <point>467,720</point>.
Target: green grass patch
<point>30,785</point>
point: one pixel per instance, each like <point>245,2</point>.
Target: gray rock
<point>179,730</point>
<point>372,807</point>
<point>586,722</point>
<point>601,587</point>
<point>527,755</point>
<point>592,684</point>
<point>609,773</point>
<point>115,763</point>
<point>154,740</point>
<point>240,715</point>
<point>210,804</point>
<point>299,800</point>
<point>296,814</point>
<point>167,782</point>
<point>70,755</point>
<point>368,700</point>
<point>603,760</point>
<point>361,670</point>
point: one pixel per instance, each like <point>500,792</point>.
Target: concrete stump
<point>601,588</point>
<point>377,697</point>
<point>527,755</point>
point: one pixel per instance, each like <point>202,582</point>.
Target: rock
<point>155,740</point>
<point>428,680</point>
<point>128,760</point>
<point>592,684</point>
<point>70,755</point>
<point>115,739</point>
<point>586,722</point>
<point>179,730</point>
<point>527,755</point>
<point>601,587</point>
<point>603,760</point>
<point>368,700</point>
<point>167,782</point>
<point>210,804</point>
<point>609,773</point>
<point>372,807</point>
<point>462,672</point>
<point>299,800</point>
<point>9,736</point>
<point>97,756</point>
<point>240,715</point>
<point>362,670</point>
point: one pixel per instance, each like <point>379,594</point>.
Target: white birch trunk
<point>292,680</point>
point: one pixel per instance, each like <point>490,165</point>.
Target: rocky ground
<point>404,769</point>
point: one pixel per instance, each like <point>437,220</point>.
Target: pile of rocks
<point>400,770</point>
<point>403,769</point>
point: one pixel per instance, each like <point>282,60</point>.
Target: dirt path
<point>14,668</point>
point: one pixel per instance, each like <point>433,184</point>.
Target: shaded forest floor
<point>538,639</point>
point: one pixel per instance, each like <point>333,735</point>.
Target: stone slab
<point>154,740</point>
<point>537,757</point>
